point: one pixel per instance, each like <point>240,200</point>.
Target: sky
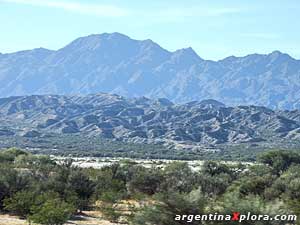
<point>215,29</point>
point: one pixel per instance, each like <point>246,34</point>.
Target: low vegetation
<point>42,191</point>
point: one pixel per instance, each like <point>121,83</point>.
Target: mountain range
<point>115,63</point>
<point>143,120</point>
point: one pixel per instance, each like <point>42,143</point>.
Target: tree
<point>178,177</point>
<point>166,206</point>
<point>214,168</point>
<point>110,178</point>
<point>51,212</point>
<point>146,181</point>
<point>109,207</point>
<point>31,161</point>
<point>294,205</point>
<point>215,178</point>
<point>12,181</point>
<point>20,203</point>
<point>280,160</point>
<point>80,183</point>
<point>10,154</point>
<point>254,185</point>
<point>234,202</point>
<point>214,185</point>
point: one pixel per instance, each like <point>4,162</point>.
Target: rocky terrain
<point>142,120</point>
<point>115,63</point>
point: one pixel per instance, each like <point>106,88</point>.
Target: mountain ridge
<point>144,40</point>
<point>115,63</point>
<point>143,120</point>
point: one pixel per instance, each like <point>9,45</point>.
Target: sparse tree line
<point>38,189</point>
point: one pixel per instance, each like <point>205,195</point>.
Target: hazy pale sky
<point>213,28</point>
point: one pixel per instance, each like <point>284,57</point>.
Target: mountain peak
<point>276,52</point>
<point>113,62</point>
<point>212,102</point>
<point>188,50</point>
<point>206,103</point>
<point>94,41</point>
<point>112,36</point>
<point>104,36</point>
<point>41,50</point>
<point>277,55</point>
<point>148,43</point>
<point>188,54</point>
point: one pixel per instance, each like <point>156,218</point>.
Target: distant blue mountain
<point>114,63</point>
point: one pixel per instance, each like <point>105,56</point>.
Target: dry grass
<point>125,207</point>
<point>89,218</point>
<point>11,220</point>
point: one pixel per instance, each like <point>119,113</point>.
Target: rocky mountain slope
<point>114,63</point>
<point>142,120</point>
